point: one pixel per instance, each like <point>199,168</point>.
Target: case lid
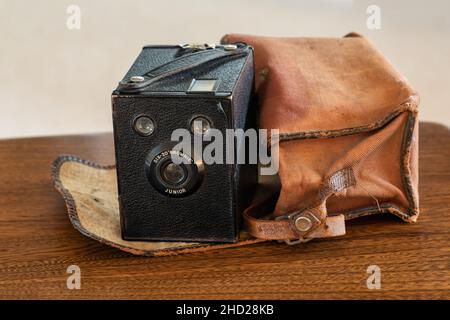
<point>317,85</point>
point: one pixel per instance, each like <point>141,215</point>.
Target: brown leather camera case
<point>348,142</point>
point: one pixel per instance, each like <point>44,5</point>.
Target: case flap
<point>90,193</point>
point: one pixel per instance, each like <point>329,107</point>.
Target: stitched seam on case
<point>324,134</point>
<point>405,162</point>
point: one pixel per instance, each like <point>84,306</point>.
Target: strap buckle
<point>303,222</point>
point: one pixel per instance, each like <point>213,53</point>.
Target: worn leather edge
<point>408,105</point>
<point>73,216</point>
<point>405,167</point>
<point>383,208</point>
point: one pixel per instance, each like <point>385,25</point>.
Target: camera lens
<point>173,174</point>
<point>144,126</point>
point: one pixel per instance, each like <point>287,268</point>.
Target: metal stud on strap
<point>303,222</point>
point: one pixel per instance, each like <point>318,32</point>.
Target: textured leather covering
<point>227,69</point>
<point>90,193</point>
<point>339,105</point>
<point>146,213</point>
<point>188,62</point>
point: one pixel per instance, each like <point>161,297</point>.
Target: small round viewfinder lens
<point>200,125</point>
<point>144,126</point>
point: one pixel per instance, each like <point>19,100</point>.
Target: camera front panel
<point>162,200</point>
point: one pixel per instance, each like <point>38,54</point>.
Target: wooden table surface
<point>38,243</point>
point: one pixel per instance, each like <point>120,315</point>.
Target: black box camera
<point>192,87</point>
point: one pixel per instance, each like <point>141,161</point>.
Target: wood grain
<point>38,243</point>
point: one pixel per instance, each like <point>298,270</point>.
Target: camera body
<point>178,87</point>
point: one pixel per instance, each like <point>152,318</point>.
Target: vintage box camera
<point>195,87</point>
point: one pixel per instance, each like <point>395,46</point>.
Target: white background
<point>57,81</point>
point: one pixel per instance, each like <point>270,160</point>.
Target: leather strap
<point>312,221</point>
<point>181,64</point>
<point>302,225</point>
